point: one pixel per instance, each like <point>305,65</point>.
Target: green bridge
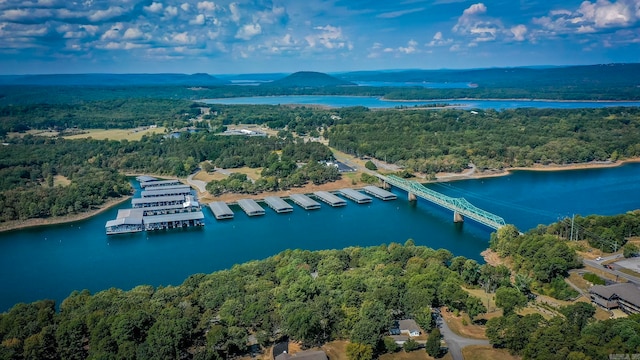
<point>461,208</point>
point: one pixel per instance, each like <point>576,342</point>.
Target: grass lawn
<point>117,134</point>
<point>456,325</point>
<point>485,352</point>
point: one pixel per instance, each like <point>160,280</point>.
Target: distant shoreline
<point>232,197</point>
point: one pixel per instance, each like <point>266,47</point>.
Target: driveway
<point>198,184</point>
<point>456,342</point>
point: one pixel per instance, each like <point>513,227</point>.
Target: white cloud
<point>329,36</point>
<point>198,20</point>
<point>112,33</point>
<point>410,48</point>
<point>519,32</point>
<point>205,6</point>
<point>111,12</point>
<point>439,40</point>
<point>132,33</point>
<point>475,9</point>
<point>235,12</point>
<point>395,14</point>
<point>248,31</point>
<point>185,7</point>
<point>155,7</point>
<point>171,11</point>
<point>182,38</point>
<point>91,29</point>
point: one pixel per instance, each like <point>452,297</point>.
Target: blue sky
<point>249,36</point>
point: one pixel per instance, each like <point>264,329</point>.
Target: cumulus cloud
<point>439,40</point>
<point>205,6</point>
<point>132,33</point>
<point>198,20</point>
<point>519,31</point>
<point>330,37</point>
<point>171,11</point>
<point>410,48</point>
<point>155,7</point>
<point>235,12</point>
<point>248,31</point>
<point>110,13</point>
<point>590,17</point>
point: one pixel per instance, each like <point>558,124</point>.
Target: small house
<point>409,327</point>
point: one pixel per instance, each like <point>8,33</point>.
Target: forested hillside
<point>448,140</point>
<point>311,297</point>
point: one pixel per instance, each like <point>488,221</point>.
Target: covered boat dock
<point>381,194</point>
<point>157,201</point>
<point>280,206</point>
<point>149,184</point>
<point>221,210</point>
<point>178,190</point>
<point>127,221</point>
<point>250,207</point>
<point>304,201</point>
<point>329,198</point>
<point>356,196</point>
<point>173,221</point>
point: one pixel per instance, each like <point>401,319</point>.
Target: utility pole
<point>572,218</point>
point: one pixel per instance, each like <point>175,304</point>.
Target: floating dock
<point>189,204</point>
<point>356,196</point>
<point>250,207</point>
<point>329,198</point>
<point>155,183</point>
<point>381,194</point>
<point>127,221</point>
<point>221,210</point>
<point>173,221</point>
<point>158,201</point>
<point>178,190</point>
<point>305,202</point>
<point>280,206</point>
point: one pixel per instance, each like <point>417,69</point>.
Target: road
<point>598,265</point>
<point>454,341</point>
<point>198,184</point>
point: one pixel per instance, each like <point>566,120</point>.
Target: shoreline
<point>344,182</point>
<point>31,223</point>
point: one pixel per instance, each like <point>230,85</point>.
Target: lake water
<point>52,261</point>
<point>379,103</point>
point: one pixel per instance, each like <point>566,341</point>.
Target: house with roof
<point>625,296</point>
<point>409,327</point>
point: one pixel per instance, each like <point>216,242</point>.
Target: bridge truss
<point>457,205</point>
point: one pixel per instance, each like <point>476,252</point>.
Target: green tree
<point>410,345</point>
<point>357,351</point>
<point>370,165</point>
<point>630,250</point>
<point>432,346</point>
<point>510,299</point>
<point>390,345</point>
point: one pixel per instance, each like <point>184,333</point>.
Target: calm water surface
<point>378,103</point>
<point>52,261</point>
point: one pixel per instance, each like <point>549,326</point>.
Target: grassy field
<point>456,324</point>
<point>484,352</point>
<point>59,180</point>
<point>117,134</point>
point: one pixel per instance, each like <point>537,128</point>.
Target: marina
<point>167,210</point>
<point>356,196</point>
<point>304,202</point>
<point>251,207</point>
<point>329,198</point>
<point>278,205</point>
<point>221,210</point>
<point>381,194</point>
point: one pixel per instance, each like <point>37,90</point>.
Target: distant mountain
<point>199,79</point>
<point>308,79</point>
<point>593,75</point>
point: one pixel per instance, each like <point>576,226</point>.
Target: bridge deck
<point>459,205</point>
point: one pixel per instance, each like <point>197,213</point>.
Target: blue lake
<point>52,261</point>
<point>379,103</point>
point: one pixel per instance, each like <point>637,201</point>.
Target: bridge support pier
<point>457,217</point>
<point>412,196</point>
<point>386,185</point>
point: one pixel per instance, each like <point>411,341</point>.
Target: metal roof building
<point>380,193</point>
<point>305,202</point>
<point>173,221</point>
<point>356,196</point>
<point>251,207</point>
<point>180,190</point>
<point>145,178</point>
<point>280,206</point>
<point>157,201</point>
<point>127,221</point>
<point>221,210</point>
<point>158,183</point>
<point>329,198</point>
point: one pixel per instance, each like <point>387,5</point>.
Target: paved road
<point>598,265</point>
<point>199,184</point>
<point>456,342</point>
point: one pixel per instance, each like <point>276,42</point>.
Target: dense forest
<point>448,140</point>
